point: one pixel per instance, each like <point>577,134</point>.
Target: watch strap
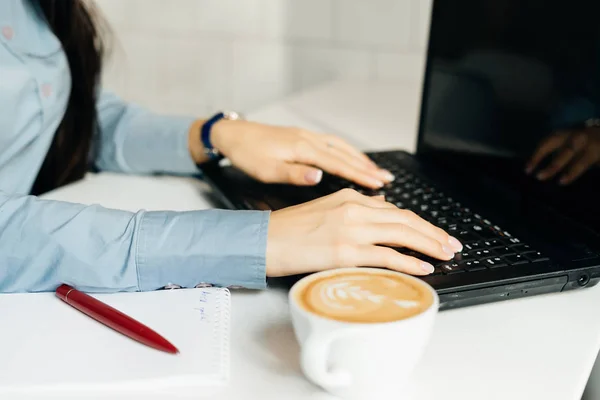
<point>205,132</point>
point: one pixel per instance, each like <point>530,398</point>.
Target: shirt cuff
<point>220,247</point>
<point>163,145</point>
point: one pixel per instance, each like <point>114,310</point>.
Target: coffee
<point>364,296</point>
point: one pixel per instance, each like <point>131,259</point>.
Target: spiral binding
<point>222,326</point>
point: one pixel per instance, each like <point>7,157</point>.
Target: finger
<point>547,146</point>
<point>384,257</point>
<point>336,166</point>
<point>299,174</point>
<point>559,163</point>
<point>578,167</point>
<point>377,173</point>
<point>350,198</point>
<point>409,218</point>
<point>400,235</point>
<point>340,143</point>
<point>309,153</point>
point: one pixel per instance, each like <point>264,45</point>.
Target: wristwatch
<point>206,130</point>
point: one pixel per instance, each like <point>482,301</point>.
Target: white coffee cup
<point>360,360</point>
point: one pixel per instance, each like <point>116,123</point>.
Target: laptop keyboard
<point>486,245</point>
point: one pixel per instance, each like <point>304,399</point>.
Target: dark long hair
<point>77,25</point>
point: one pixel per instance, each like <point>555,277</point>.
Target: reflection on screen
<point>508,76</point>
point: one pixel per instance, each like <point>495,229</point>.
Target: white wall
<point>198,56</point>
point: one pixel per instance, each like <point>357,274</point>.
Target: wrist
<point>212,137</point>
<point>223,133</point>
<point>219,137</point>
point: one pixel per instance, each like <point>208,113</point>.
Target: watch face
<point>232,115</point>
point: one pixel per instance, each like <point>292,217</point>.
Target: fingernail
<point>314,176</point>
<point>455,244</point>
<point>378,183</point>
<point>541,176</point>
<point>564,180</point>
<point>388,175</point>
<point>426,267</point>
<point>448,250</point>
<point>528,170</point>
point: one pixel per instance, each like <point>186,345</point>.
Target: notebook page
<point>42,338</point>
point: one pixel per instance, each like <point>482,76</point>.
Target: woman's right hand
<point>348,229</point>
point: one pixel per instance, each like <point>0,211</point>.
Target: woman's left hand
<point>289,155</point>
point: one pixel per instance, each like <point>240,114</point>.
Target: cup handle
<point>315,353</point>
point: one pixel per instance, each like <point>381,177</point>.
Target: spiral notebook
<point>49,348</point>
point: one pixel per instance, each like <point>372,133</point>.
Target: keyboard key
<point>477,228</point>
<point>504,251</point>
<point>466,237</point>
<point>495,262</point>
<point>436,271</point>
<point>516,259</point>
<point>488,233</point>
<point>481,253</point>
<point>514,240</point>
<point>491,243</point>
<point>453,228</point>
<point>474,265</point>
<point>521,248</point>
<point>464,256</point>
<point>473,245</point>
<point>451,268</point>
<point>535,256</point>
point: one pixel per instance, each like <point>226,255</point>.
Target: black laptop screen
<point>503,77</point>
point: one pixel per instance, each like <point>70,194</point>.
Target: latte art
<point>362,296</point>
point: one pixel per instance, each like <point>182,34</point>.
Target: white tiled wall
<point>197,56</point>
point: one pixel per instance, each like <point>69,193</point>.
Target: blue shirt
<point>45,243</point>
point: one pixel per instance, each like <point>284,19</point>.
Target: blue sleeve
<point>573,112</point>
<point>135,140</point>
<point>45,243</point>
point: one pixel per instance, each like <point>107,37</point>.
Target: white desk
<point>536,348</point>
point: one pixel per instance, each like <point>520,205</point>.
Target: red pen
<point>113,318</point>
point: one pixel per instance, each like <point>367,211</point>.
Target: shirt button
<point>8,32</point>
<point>171,286</point>
<point>46,89</point>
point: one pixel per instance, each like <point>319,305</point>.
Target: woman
<point>55,122</point>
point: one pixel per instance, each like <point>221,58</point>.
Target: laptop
<point>499,78</point>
